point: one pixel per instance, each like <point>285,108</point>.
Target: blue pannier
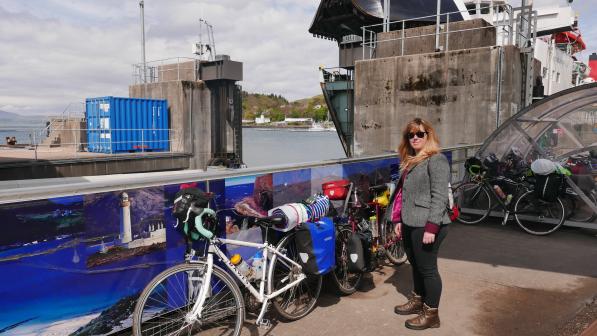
<point>315,242</point>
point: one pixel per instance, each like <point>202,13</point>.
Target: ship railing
<point>335,74</point>
<point>167,69</point>
<point>514,26</point>
<point>74,143</point>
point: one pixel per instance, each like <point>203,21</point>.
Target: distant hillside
<point>277,107</point>
<point>6,115</point>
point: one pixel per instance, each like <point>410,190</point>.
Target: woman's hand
<point>428,238</point>
<point>398,230</point>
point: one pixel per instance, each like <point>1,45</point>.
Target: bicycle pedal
<point>264,323</point>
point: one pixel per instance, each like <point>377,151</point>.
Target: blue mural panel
<point>76,265</point>
<point>291,186</point>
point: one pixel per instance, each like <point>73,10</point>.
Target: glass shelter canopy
<point>561,128</point>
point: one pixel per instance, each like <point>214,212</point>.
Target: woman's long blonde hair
<point>407,154</point>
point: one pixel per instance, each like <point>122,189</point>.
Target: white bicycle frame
<point>259,294</point>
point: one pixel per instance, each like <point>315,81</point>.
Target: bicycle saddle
<point>378,188</point>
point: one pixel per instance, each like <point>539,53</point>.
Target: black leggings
<point>423,261</point>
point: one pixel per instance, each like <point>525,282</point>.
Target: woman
<point>419,212</point>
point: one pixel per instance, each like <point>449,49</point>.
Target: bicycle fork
<point>506,215</point>
<point>195,313</point>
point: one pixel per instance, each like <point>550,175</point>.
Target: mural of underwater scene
<point>247,197</point>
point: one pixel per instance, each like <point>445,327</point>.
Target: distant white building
<point>262,120</point>
<point>298,120</point>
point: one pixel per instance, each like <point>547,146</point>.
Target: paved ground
<point>497,281</point>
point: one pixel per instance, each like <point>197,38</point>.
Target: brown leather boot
<point>413,306</point>
<point>429,318</point>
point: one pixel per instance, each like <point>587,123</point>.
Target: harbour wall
<point>189,106</point>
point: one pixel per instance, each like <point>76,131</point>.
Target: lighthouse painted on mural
<point>126,233</point>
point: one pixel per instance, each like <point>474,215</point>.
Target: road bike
<point>367,220</point>
<point>202,295</point>
<point>532,213</point>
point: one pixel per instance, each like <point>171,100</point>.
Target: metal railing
<point>334,74</point>
<point>26,190</point>
<point>76,143</point>
<point>514,26</point>
<point>176,68</point>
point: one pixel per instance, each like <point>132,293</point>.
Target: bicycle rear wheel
<point>579,210</point>
<point>394,249</point>
<point>473,201</point>
<point>298,301</point>
<point>163,305</point>
<point>345,282</point>
<point>537,216</point>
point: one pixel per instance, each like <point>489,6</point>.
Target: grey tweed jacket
<point>425,193</point>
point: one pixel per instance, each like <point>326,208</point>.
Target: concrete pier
<point>189,105</point>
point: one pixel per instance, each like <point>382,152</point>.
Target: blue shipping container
<point>121,125</point>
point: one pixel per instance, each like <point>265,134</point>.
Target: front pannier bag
<point>315,243</point>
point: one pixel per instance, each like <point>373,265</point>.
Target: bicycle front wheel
<point>298,301</point>
<point>346,283</point>
<point>537,216</point>
<point>163,307</point>
<point>473,201</point>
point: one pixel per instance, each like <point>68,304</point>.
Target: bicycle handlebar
<point>199,222</point>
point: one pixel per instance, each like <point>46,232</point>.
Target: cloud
<point>56,52</point>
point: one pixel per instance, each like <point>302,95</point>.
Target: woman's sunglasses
<point>419,135</point>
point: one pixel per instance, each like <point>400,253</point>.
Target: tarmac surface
<point>496,281</point>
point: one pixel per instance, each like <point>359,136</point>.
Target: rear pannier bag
<point>548,187</point>
<point>336,190</point>
<point>355,254</point>
<point>315,243</point>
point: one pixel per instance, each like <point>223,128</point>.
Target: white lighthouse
<point>126,234</point>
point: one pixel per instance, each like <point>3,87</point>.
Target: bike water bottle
<point>257,265</point>
<point>499,191</point>
<point>241,265</point>
<point>508,199</point>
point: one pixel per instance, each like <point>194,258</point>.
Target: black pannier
<point>549,187</point>
<point>356,255</point>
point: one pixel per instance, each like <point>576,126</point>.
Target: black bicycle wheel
<point>164,304</point>
<point>579,210</point>
<point>345,282</point>
<point>538,217</point>
<point>394,247</point>
<point>298,301</point>
<point>473,201</point>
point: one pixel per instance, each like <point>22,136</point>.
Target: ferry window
<point>485,9</point>
<point>471,8</point>
<point>544,71</point>
<point>558,77</point>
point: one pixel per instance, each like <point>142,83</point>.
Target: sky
<point>58,52</point>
